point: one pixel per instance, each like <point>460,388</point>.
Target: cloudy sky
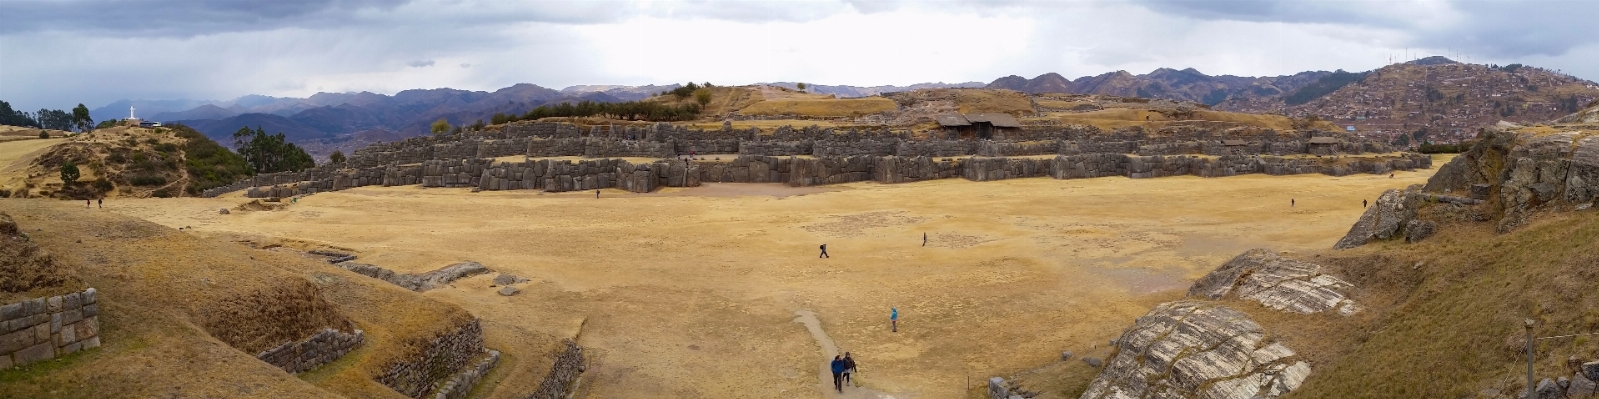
<point>57,53</point>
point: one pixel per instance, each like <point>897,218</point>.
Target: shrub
<point>44,134</point>
<point>210,165</point>
<point>70,173</point>
<point>103,185</point>
<point>147,180</point>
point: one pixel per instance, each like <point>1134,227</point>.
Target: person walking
<point>100,202</point>
<point>838,373</point>
<point>87,203</point>
<point>596,194</point>
<point>1290,202</point>
<point>924,239</point>
<point>824,252</point>
<point>849,369</point>
<point>1362,203</point>
<point>893,319</point>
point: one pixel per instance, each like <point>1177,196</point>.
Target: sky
<point>58,53</point>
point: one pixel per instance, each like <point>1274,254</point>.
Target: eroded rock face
<point>1279,283</point>
<point>1195,349</point>
<point>1384,219</point>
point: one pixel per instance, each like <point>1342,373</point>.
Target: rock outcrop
<point>417,282</point>
<point>1277,282</point>
<point>1524,173</point>
<point>1384,219</point>
<point>1196,349</point>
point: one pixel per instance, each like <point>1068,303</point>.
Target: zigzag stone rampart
<point>814,156</point>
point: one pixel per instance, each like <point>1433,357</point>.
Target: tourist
<point>100,202</point>
<point>924,239</point>
<point>1290,202</point>
<point>893,319</point>
<point>596,194</point>
<point>849,368</point>
<point>87,203</point>
<point>1362,203</point>
<point>838,373</point>
<point>824,252</point>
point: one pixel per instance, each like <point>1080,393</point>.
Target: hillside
<point>180,315</point>
<point>1165,83</point>
<point>1450,100</point>
<point>119,162</point>
<point>1434,283</point>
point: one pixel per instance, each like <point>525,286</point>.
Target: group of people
<point>843,367</point>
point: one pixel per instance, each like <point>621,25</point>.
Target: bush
<point>70,173</point>
<point>44,134</point>
<point>210,165</point>
<point>103,185</point>
<point>338,156</point>
<point>147,180</point>
<point>702,96</point>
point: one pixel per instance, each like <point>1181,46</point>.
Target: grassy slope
<point>1451,327</point>
<point>159,285</point>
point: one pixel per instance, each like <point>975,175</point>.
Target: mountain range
<point>1429,92</point>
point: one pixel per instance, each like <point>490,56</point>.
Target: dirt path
<point>824,375</point>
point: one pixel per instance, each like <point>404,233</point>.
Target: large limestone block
<point>1193,349</point>
<point>1385,218</point>
<point>1277,282</point>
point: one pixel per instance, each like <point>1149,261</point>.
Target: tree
<point>268,153</point>
<point>440,126</point>
<point>337,157</point>
<point>12,117</point>
<point>107,123</point>
<point>702,96</point>
<point>801,86</point>
<point>69,173</point>
<point>54,119</point>
<point>81,119</point>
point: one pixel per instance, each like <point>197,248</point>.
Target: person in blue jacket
<point>893,319</point>
<point>838,373</point>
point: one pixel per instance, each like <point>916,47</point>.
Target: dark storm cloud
<point>1490,28</point>
<point>176,17</point>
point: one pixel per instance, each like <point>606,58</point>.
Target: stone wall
<point>302,356</point>
<point>442,358</point>
<point>561,380</point>
<point>460,384</point>
<point>41,329</point>
<point>465,160</point>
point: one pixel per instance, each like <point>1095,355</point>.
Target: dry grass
<point>971,101</point>
<point>1445,317</point>
<point>158,286</point>
<point>846,107</point>
<point>692,292</point>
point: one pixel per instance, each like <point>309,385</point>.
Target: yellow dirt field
<point>15,156</point>
<point>694,292</point>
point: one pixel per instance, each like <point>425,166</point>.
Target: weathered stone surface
<point>1383,219</point>
<point>1199,350</point>
<point>1065,355</point>
<point>1093,361</point>
<point>569,365</point>
<point>321,348</point>
<point>508,291</point>
<point>418,282</point>
<point>1591,369</point>
<point>37,353</point>
<point>997,388</point>
<point>443,357</point>
<point>5,362</point>
<point>1277,282</point>
<point>508,279</point>
<point>1548,389</point>
<point>1417,230</point>
<point>224,211</point>
<point>1581,387</point>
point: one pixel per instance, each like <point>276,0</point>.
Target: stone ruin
<point>813,155</point>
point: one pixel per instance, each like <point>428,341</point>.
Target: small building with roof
<point>1322,145</point>
<point>981,125</point>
